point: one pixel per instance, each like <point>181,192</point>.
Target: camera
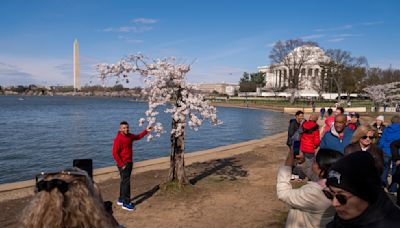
<point>84,164</point>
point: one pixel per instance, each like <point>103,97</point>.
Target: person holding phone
<point>122,152</point>
<point>308,205</point>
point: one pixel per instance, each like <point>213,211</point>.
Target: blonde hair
<point>362,131</point>
<point>79,206</point>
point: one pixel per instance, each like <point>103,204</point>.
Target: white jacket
<point>309,207</point>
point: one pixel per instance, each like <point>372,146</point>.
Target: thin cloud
<point>130,40</point>
<point>145,20</point>
<point>313,36</point>
<point>344,27</point>
<point>13,75</point>
<point>372,23</point>
<point>128,29</point>
<point>348,35</point>
<point>336,40</point>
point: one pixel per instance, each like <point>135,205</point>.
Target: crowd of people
<point>350,171</point>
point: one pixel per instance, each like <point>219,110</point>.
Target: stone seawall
<point>22,189</point>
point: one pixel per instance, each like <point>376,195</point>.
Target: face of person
<point>379,122</point>
<point>354,119</point>
<point>124,129</point>
<point>367,139</point>
<point>299,118</point>
<point>340,123</point>
<point>351,205</point>
<point>337,112</point>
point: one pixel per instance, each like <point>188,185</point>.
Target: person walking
<point>122,152</point>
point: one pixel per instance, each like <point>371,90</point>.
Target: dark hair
<point>341,109</point>
<point>299,113</point>
<point>395,119</point>
<point>330,111</point>
<point>123,123</point>
<point>325,158</point>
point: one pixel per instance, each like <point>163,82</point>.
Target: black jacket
<point>381,214</point>
<point>293,127</point>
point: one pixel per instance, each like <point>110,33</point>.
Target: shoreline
<point>21,189</point>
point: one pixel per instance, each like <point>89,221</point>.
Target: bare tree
<point>292,54</point>
<point>340,66</point>
<point>318,83</point>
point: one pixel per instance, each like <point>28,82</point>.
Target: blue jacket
<point>332,141</point>
<point>390,134</point>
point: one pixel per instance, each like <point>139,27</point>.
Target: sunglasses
<point>342,199</point>
<point>370,137</point>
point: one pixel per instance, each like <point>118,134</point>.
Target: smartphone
<point>296,148</point>
<point>84,164</point>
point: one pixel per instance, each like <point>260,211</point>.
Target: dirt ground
<point>237,191</point>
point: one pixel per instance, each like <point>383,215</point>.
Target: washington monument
<point>77,82</point>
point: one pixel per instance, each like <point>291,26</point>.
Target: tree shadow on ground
<point>226,169</point>
<point>145,196</point>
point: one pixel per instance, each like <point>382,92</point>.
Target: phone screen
<point>84,164</point>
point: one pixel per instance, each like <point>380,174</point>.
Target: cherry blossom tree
<point>166,87</point>
<point>384,92</point>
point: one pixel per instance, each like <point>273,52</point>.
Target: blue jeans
<point>387,161</point>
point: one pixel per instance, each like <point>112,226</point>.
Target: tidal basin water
<point>47,133</point>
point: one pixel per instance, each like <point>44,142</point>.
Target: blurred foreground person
<point>308,205</point>
<point>66,199</point>
<point>354,187</point>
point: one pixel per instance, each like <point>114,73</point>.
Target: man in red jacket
<point>122,153</point>
<point>309,141</point>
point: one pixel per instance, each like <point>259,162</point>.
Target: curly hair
<point>362,131</point>
<point>79,206</point>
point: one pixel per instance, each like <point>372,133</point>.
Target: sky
<point>221,39</point>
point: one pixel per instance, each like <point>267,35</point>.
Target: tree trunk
<point>177,158</point>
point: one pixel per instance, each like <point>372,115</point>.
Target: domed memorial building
<point>307,60</point>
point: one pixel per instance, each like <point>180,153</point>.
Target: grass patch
<point>175,187</point>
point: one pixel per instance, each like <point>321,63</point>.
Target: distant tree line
<point>41,90</point>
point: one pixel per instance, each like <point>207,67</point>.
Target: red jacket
<point>309,139</point>
<point>122,148</point>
